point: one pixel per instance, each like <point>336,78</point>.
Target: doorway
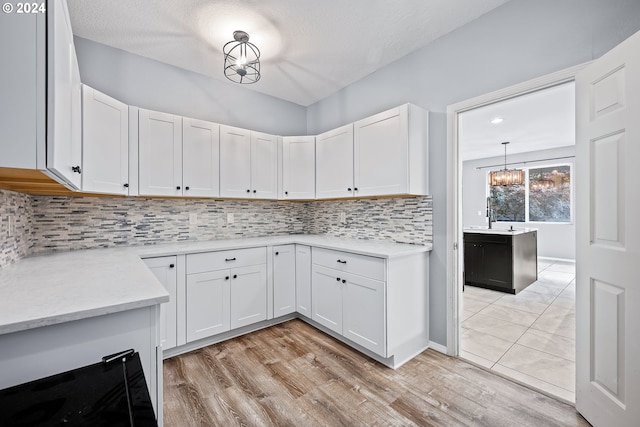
<point>496,330</point>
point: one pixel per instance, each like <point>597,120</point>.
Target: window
<point>545,196</point>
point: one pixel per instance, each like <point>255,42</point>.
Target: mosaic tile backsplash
<point>51,223</point>
<point>16,214</point>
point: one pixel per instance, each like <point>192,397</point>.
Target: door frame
<point>454,187</point>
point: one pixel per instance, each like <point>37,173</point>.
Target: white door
<point>208,299</point>
<point>608,244</point>
<point>160,145</point>
<point>299,167</point>
<point>284,280</point>
<point>264,166</point>
<point>334,163</point>
<point>200,158</point>
<point>235,162</point>
<point>381,153</point>
<point>64,138</point>
<point>105,143</point>
<point>303,280</point>
<point>248,295</point>
<point>164,268</point>
<point>326,297</point>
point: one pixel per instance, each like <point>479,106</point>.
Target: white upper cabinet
<point>64,139</point>
<point>200,158</point>
<point>334,163</point>
<point>105,143</point>
<point>248,164</point>
<point>391,153</point>
<point>298,167</point>
<point>264,166</point>
<point>160,145</point>
<point>235,162</point>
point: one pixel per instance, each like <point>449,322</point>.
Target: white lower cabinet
<point>208,304</point>
<point>248,295</point>
<point>284,280</point>
<point>351,305</point>
<point>303,280</point>
<point>225,290</point>
<point>164,268</point>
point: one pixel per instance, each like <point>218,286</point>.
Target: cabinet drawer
<point>211,261</point>
<point>361,265</point>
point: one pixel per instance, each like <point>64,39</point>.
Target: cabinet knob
<point>355,189</point>
<point>254,191</point>
<point>277,253</point>
<point>341,261</point>
<point>344,281</point>
<point>337,279</point>
<point>177,187</point>
<point>186,188</point>
<point>76,169</point>
<point>230,259</point>
<point>349,189</point>
<point>248,191</point>
<point>286,193</point>
<point>235,276</point>
<point>125,185</point>
<point>226,278</point>
<point>171,265</point>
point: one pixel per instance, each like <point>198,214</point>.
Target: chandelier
<point>506,176</point>
<point>241,59</point>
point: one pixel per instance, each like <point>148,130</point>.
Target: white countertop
<point>502,231</point>
<point>46,289</point>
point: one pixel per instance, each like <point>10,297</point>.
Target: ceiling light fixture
<point>497,120</point>
<point>506,176</point>
<point>241,59</point>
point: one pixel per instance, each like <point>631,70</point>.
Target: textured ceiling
<point>309,48</point>
<point>537,121</point>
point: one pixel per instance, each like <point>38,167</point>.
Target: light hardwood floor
<point>294,375</point>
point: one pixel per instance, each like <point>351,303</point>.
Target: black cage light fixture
<point>241,59</point>
<point>506,176</point>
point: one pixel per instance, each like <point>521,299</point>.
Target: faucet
<point>490,213</point>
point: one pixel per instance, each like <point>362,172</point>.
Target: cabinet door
<point>200,158</point>
<point>164,268</point>
<point>299,167</point>
<point>497,260</point>
<point>160,145</point>
<point>326,297</point>
<point>364,313</point>
<point>284,280</point>
<point>105,143</point>
<point>208,301</point>
<point>248,295</point>
<point>334,163</point>
<point>264,166</point>
<point>381,153</point>
<point>235,162</point>
<point>64,139</point>
<point>303,280</point>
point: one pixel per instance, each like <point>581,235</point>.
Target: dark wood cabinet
<point>502,262</point>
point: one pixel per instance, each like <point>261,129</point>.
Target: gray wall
<point>554,240</point>
<point>518,41</point>
<point>150,84</point>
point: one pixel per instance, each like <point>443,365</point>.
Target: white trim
<point>548,258</point>
<point>454,180</point>
<point>438,347</point>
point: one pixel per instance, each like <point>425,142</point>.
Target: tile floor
<point>529,337</point>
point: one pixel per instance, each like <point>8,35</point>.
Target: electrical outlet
<point>11,226</point>
<point>343,217</point>
<point>230,218</point>
<point>193,219</point>
<point>479,213</point>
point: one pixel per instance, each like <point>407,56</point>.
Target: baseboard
<point>438,347</point>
